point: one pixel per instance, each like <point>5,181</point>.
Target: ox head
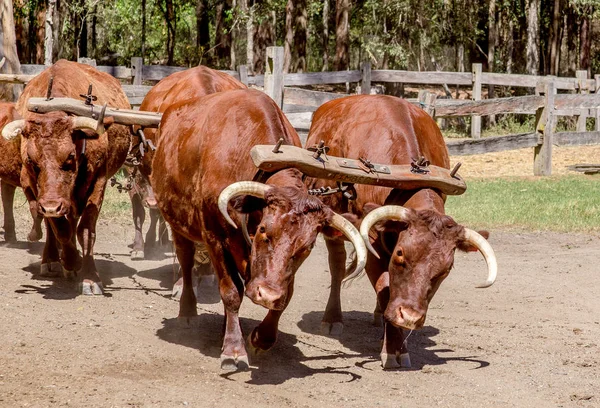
<point>285,236</point>
<point>421,258</point>
<point>53,155</point>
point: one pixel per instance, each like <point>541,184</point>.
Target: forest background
<point>545,37</point>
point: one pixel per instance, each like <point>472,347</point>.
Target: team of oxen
<point>256,227</point>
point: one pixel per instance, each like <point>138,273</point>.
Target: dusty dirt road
<point>531,340</point>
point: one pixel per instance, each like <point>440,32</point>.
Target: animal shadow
<point>363,337</point>
<point>283,362</point>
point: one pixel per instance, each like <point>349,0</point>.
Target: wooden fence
<point>299,103</point>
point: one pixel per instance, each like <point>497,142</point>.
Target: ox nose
<point>265,296</point>
<point>407,318</point>
<point>52,209</point>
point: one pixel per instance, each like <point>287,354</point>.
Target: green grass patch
<point>564,204</point>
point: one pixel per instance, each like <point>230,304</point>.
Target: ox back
<point>67,165</point>
<point>204,147</point>
<point>180,86</point>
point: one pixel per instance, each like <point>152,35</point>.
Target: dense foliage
<point>394,34</point>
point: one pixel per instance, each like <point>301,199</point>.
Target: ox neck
<point>423,199</point>
<point>287,178</point>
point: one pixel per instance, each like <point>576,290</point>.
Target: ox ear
<point>247,204</point>
<point>467,247</point>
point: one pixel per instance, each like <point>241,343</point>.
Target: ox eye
<point>68,164</point>
<point>262,229</point>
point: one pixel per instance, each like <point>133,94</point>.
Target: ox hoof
<point>34,236</point>
<point>231,363</point>
<point>89,288</point>
<point>389,361</point>
<point>405,360</point>
<point>377,319</point>
<point>51,269</point>
<point>332,329</point>
<point>10,238</point>
<point>188,322</point>
<point>137,255</point>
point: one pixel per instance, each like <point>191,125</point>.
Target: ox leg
<point>233,355</point>
<point>163,232</point>
<point>150,243</point>
<point>65,231</point>
<point>184,249</point>
<point>332,319</point>
<point>86,235</point>
<point>139,216</point>
<point>8,197</point>
<point>36,229</point>
<point>394,353</point>
<point>51,266</point>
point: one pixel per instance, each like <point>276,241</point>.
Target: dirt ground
<point>531,340</point>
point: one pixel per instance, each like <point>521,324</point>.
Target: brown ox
<point>10,179</point>
<point>415,240</point>
<point>67,163</point>
<point>204,147</point>
<point>191,83</point>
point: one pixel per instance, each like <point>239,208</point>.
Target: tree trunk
<point>21,30</point>
<point>202,31</point>
<point>83,34</point>
<point>171,30</point>
<point>572,28</point>
<point>39,41</point>
<point>250,37</point>
<point>49,28</point>
<point>492,36</point>
<point>143,30</point>
<point>510,46</point>
<point>554,39</point>
<point>301,36</point>
<point>342,31</point>
<point>585,40</point>
<point>325,35</point>
<point>94,32</point>
<point>264,36</point>
<point>8,49</point>
<point>289,36</point>
<point>222,36</point>
<point>533,37</point>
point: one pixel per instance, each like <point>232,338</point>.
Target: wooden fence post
<point>597,111</point>
<point>545,122</point>
<point>137,64</point>
<point>475,119</point>
<point>582,87</point>
<point>274,74</point>
<point>243,73</point>
<point>427,102</point>
<point>365,83</point>
<point>87,61</point>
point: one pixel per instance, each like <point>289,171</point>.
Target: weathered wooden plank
<point>274,74</point>
<point>576,138</point>
<point>514,104</point>
<point>291,108</point>
<point>492,144</point>
<point>348,170</point>
<point>298,96</point>
<point>476,120</point>
<point>136,90</point>
<point>158,72</point>
<point>135,100</point>
<point>577,101</point>
<point>300,120</point>
<point>542,155</point>
<point>317,78</point>
<point>117,71</point>
<point>137,65</point>
<point>412,77</point>
<point>256,80</point>
<point>32,69</point>
<point>365,82</point>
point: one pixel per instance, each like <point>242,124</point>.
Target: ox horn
<point>252,188</point>
<point>345,227</point>
<point>386,212</point>
<point>82,122</point>
<point>13,129</point>
<point>486,250</point>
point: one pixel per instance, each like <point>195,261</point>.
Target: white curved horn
<point>345,227</point>
<point>386,212</point>
<point>13,129</point>
<point>82,122</point>
<point>252,188</point>
<point>475,239</point>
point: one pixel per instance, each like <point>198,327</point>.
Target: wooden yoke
<point>80,108</point>
<point>403,177</point>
